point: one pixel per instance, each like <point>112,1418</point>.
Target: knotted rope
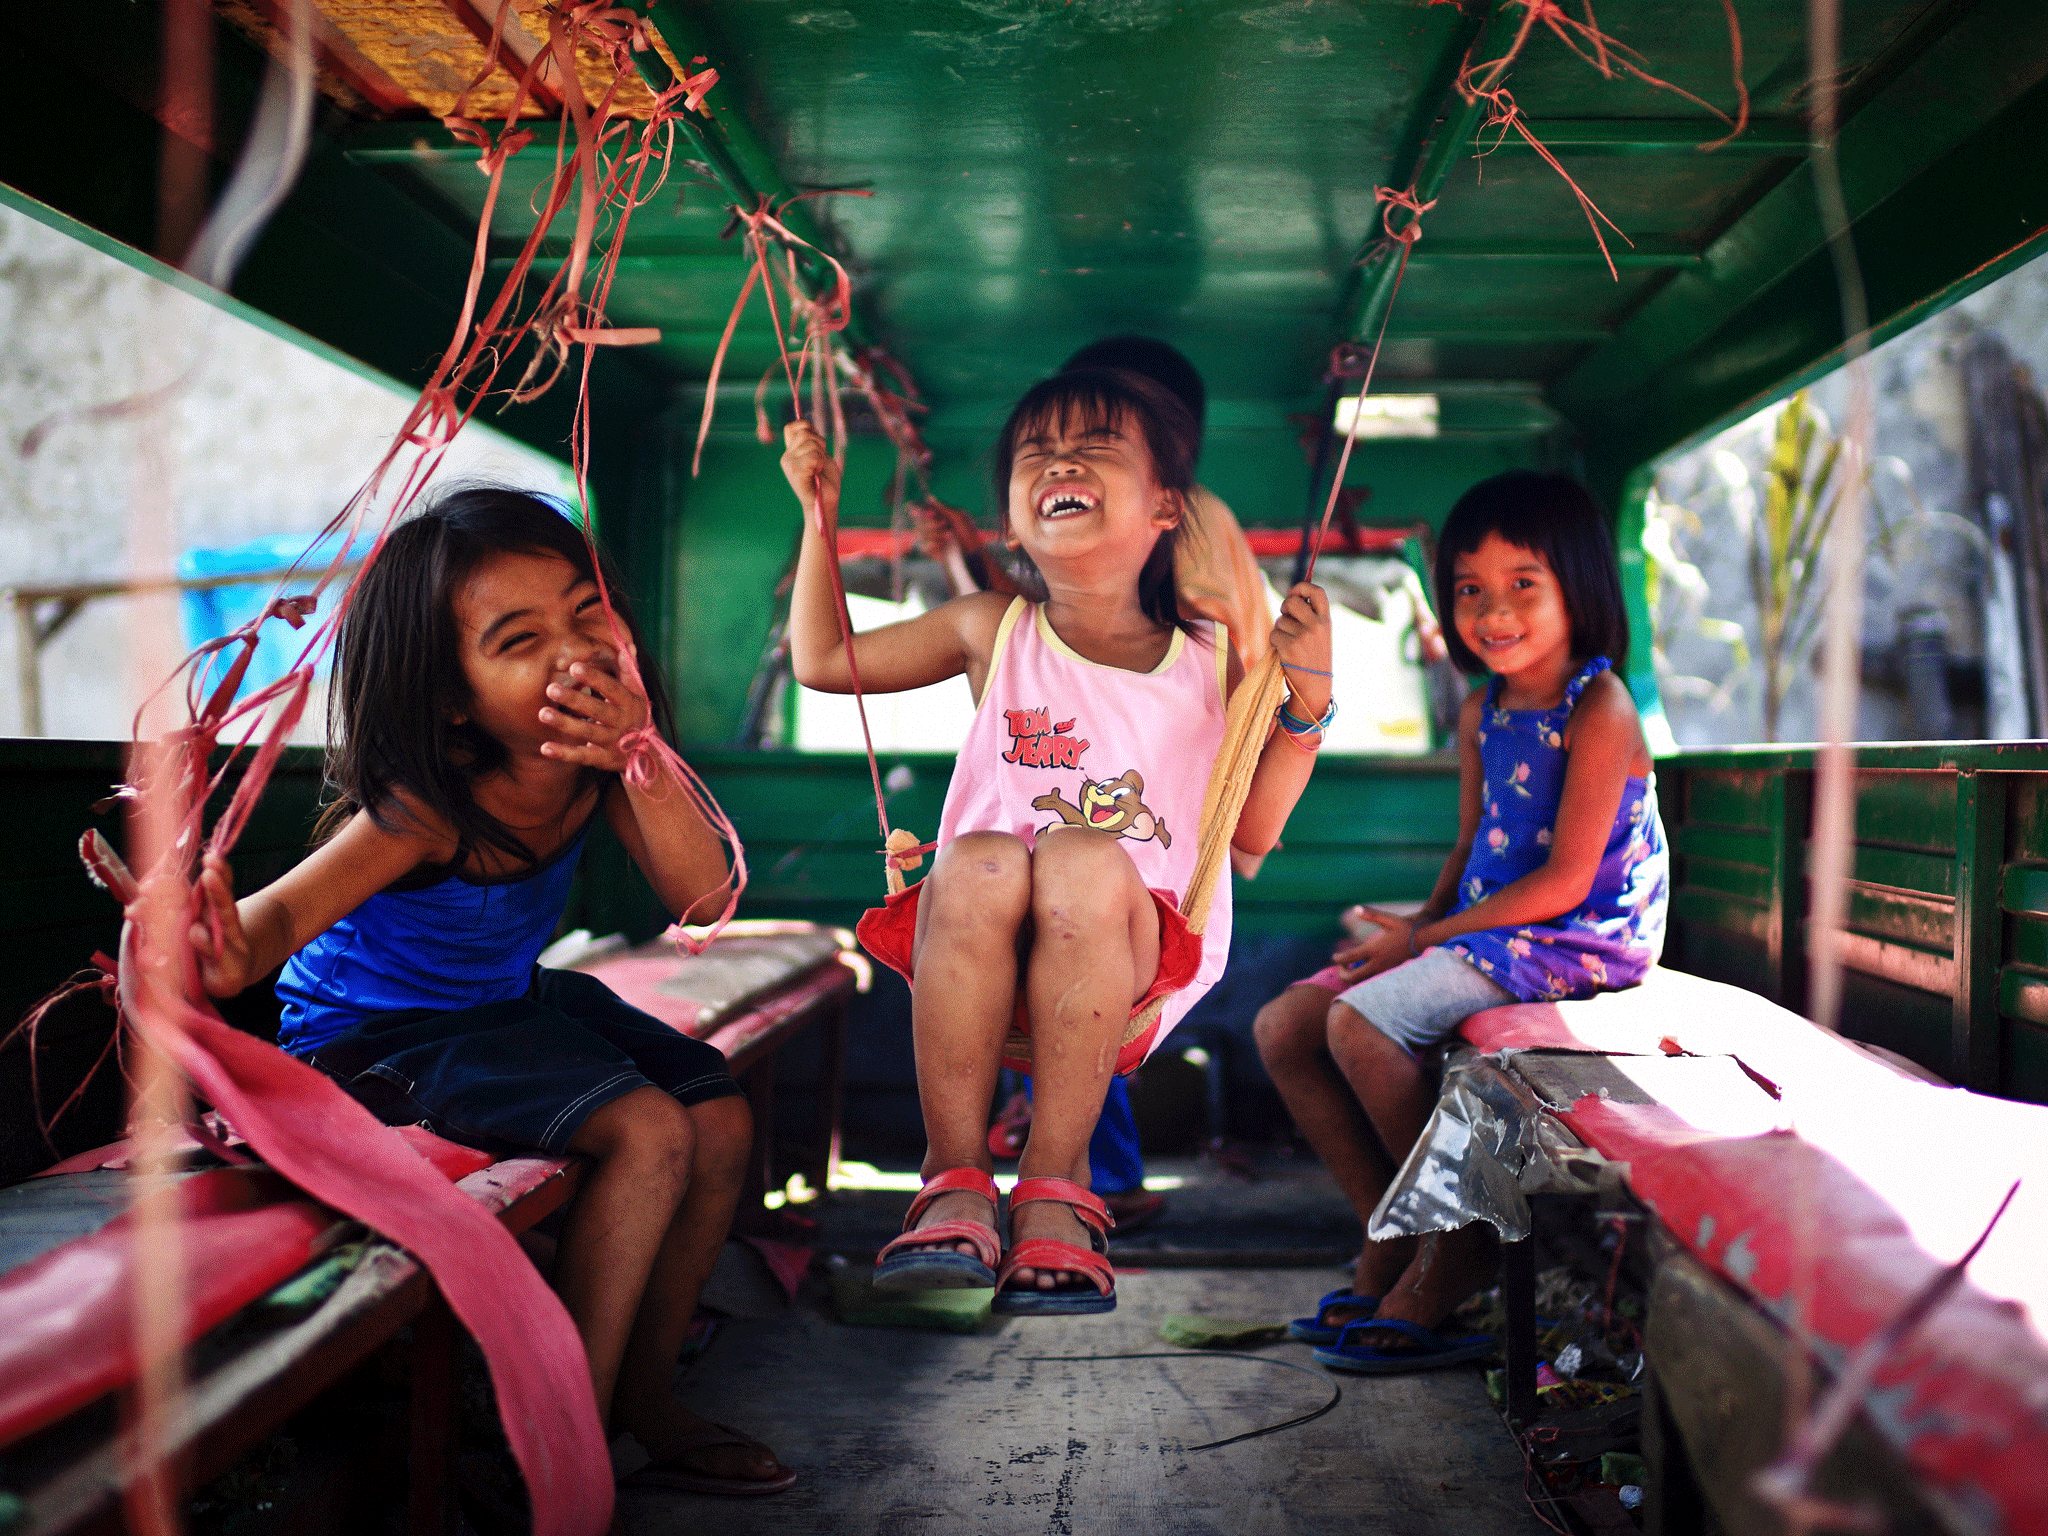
<point>820,360</point>
<point>1482,82</point>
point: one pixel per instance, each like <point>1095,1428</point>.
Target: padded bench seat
<point>1818,1153</point>
<point>251,1237</point>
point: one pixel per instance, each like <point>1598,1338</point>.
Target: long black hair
<point>398,681</point>
<point>1094,397</point>
<point>1556,517</point>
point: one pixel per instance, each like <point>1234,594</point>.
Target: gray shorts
<point>1422,1000</point>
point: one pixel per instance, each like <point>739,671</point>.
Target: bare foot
<point>691,1442</point>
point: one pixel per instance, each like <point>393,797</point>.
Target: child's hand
<point>809,467</point>
<point>1301,636</point>
<point>595,708</point>
<point>1388,944</point>
<point>219,942</point>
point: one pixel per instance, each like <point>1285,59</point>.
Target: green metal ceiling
<point>1044,171</point>
<point>1041,173</point>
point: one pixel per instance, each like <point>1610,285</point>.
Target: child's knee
<point>1292,1027</point>
<point>1359,1044</point>
<point>646,1126</point>
<point>1081,879</point>
<point>981,875</point>
<point>725,1133</point>
<point>1351,1030</point>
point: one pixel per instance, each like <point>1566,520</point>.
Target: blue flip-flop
<point>1314,1330</point>
<point>1434,1353</point>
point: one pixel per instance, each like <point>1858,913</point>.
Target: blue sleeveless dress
<point>1613,938</point>
<point>428,1006</point>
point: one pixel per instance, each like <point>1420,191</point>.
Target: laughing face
<point>1079,488</point>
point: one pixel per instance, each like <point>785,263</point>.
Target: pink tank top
<point>1058,737</point>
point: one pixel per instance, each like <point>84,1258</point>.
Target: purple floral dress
<point>1617,933</point>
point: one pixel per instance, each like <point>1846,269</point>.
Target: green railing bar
<point>1461,120</point>
<point>1499,335</point>
<point>1648,251</point>
<point>1769,137</point>
<point>727,143</point>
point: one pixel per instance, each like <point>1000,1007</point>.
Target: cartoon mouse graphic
<point>1115,806</point>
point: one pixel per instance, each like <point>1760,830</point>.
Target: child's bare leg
<point>1447,1268</point>
<point>1292,1032</point>
<point>976,899</point>
<point>1094,952</point>
<point>1396,1097</point>
<point>644,1401</point>
<point>642,1144</point>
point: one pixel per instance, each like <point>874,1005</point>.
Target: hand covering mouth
<point>1067,500</point>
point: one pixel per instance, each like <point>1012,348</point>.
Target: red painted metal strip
<point>1962,1393</point>
<point>738,1037</point>
<point>1266,543</point>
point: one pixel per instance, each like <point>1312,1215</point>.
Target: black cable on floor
<point>1336,1391</point>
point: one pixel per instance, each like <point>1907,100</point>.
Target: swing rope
<point>1250,719</point>
<point>297,1120</point>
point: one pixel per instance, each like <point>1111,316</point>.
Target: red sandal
<point>1096,1292</point>
<point>910,1263</point>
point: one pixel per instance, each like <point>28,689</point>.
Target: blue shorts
<point>522,1074</point>
<point>1422,1000</point>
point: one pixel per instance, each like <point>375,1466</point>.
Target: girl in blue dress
<point>1556,889</point>
<point>482,722</point>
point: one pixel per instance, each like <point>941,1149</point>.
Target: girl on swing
<point>1048,926</point>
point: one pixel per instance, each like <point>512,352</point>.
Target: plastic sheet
<point>1487,1146</point>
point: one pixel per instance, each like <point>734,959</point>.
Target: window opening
<point>271,435</point>
<point>1955,627</point>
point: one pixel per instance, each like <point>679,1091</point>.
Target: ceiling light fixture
<point>1387,416</point>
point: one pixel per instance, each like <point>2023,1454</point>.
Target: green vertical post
<point>1635,599</point>
<point>1979,929</point>
<point>1788,812</point>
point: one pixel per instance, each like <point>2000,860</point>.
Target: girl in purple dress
<point>1556,890</point>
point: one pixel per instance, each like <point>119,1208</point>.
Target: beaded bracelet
<point>1412,927</point>
<point>1294,725</point>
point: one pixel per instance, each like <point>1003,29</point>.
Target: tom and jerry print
<point>1116,806</point>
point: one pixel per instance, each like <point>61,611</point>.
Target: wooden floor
<point>895,1431</point>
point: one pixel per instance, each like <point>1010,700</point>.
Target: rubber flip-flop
<point>1434,1351</point>
<point>1012,1128</point>
<point>674,1472</point>
<point>912,1262</point>
<point>1313,1330</point>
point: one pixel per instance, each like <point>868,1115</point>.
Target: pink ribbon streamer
<point>297,1120</point>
